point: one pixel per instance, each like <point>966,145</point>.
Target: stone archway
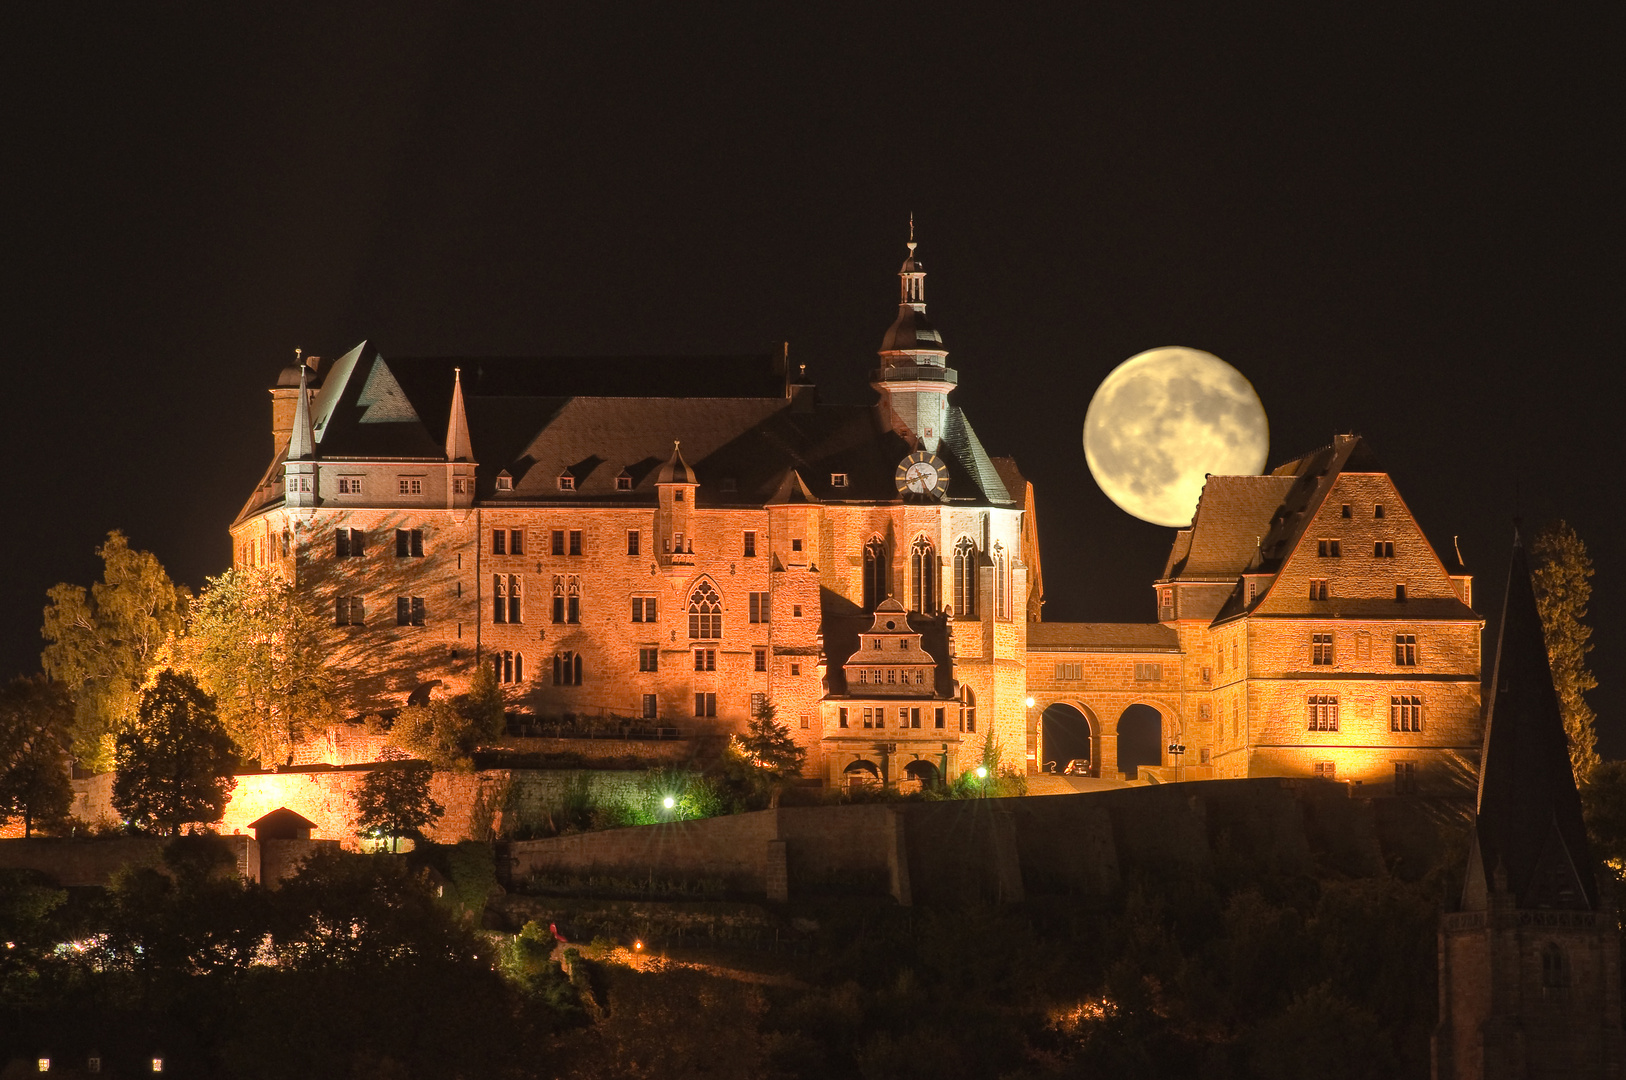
<point>861,773</point>
<point>1067,733</point>
<point>922,772</point>
<point>1140,739</point>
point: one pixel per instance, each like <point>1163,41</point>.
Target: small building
<point>282,824</point>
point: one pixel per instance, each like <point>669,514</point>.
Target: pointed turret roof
<point>676,470</point>
<point>458,447</point>
<point>1529,821</point>
<point>792,489</point>
<point>912,331</point>
<point>301,442</point>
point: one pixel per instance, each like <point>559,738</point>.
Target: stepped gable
<point>1529,826</point>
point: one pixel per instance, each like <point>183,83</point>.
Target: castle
<point>668,543</point>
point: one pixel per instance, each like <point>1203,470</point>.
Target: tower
<point>1530,960</point>
<point>914,378</point>
<point>299,469</point>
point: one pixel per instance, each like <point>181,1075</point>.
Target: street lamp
<point>1177,750</point>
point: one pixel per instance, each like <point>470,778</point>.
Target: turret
<point>675,486</point>
<point>299,470</point>
<point>914,378</point>
<point>459,450</point>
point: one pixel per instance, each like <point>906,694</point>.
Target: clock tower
<point>914,378</point>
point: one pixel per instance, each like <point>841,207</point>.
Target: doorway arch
<point>1066,733</point>
<point>1140,739</point>
<point>921,771</point>
<point>861,773</point>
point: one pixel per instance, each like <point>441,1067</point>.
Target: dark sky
<point>1404,222</point>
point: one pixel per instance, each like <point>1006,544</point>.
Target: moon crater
<point>1162,421</point>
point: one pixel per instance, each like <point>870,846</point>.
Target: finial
<point>299,353</point>
<point>911,244</point>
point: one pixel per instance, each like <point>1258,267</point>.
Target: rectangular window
<point>567,483</point>
<point>558,607</point>
<point>1345,511</point>
<point>409,611</point>
<point>575,541</point>
<point>1323,712</point>
<point>841,718</point>
<point>1204,711</point>
<point>703,626</point>
<point>649,706</point>
<point>759,607</point>
<point>869,718</point>
<point>1400,594</point>
<point>1203,755</point>
<point>349,611</point>
<point>1405,650</point>
<point>757,702</point>
<point>349,485</point>
<point>460,486</point>
<point>632,541</point>
<point>649,659</point>
<point>1326,770</point>
<point>880,718</point>
<point>558,546</point>
<point>796,611</point>
<point>1327,549</point>
<point>409,543</point>
<point>891,675</point>
<point>1383,549</point>
<point>410,485</point>
<point>1405,777</point>
<point>838,479</point>
<point>750,545</point>
<point>516,541</point>
<point>1069,671</point>
<point>1377,511</point>
<point>573,608</point>
<point>796,544</point>
<point>795,668</point>
<point>705,704</point>
<point>1321,649</point>
<point>759,660</point>
<point>705,659</point>
<point>914,718</point>
<point>514,596</point>
<point>1148,672</point>
<point>499,541</point>
<point>643,606</point>
<point>499,598</point>
<point>1405,713</point>
<point>623,483</point>
<point>938,718</point>
<point>1318,588</point>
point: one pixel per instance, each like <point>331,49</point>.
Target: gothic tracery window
<point>923,571</point>
<point>1002,583</point>
<point>965,578</point>
<point>877,579</point>
<point>705,612</point>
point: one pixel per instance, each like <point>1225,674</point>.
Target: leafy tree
<point>1603,800</point>
<point>1561,576</point>
<point>36,716</point>
<point>393,800</point>
<point>103,643</point>
<point>447,733</point>
<point>766,756</point>
<point>173,765</point>
<point>257,649</point>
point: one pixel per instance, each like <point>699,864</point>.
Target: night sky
<point>1404,223</point>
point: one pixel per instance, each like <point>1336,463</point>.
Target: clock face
<point>921,473</point>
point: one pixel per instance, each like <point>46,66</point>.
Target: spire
<point>911,331</point>
<point>457,424</point>
<point>1529,823</point>
<point>301,442</point>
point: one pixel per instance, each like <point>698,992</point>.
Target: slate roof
<point>1102,637</point>
<point>1234,514</point>
<point>596,419</point>
<point>1529,822</point>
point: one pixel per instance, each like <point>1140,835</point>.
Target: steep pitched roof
<point>965,450</point>
<point>1103,637</point>
<point>1529,823</point>
<point>1234,514</point>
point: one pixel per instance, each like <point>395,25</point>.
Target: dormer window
<point>623,482</point>
<point>505,482</point>
<point>838,479</point>
<point>567,482</point>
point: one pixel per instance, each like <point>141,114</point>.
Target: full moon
<point>1165,419</point>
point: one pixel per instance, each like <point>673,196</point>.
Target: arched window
<point>1555,967</point>
<point>877,579</point>
<point>968,709</point>
<point>1002,584</point>
<point>567,668</point>
<point>705,613</point>
<point>965,578</point>
<point>573,605</point>
<point>923,570</point>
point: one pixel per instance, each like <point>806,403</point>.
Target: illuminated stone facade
<point>660,543</point>
<point>665,543</point>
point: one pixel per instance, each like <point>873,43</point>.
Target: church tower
<point>914,378</point>
<point>1530,961</point>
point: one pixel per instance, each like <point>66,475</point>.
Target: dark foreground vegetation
<point>377,966</point>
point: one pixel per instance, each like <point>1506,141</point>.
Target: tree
<point>447,733</point>
<point>174,764</point>
<point>1560,576</point>
<point>393,800</point>
<point>766,752</point>
<point>257,650</point>
<point>103,644</point>
<point>36,718</point>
